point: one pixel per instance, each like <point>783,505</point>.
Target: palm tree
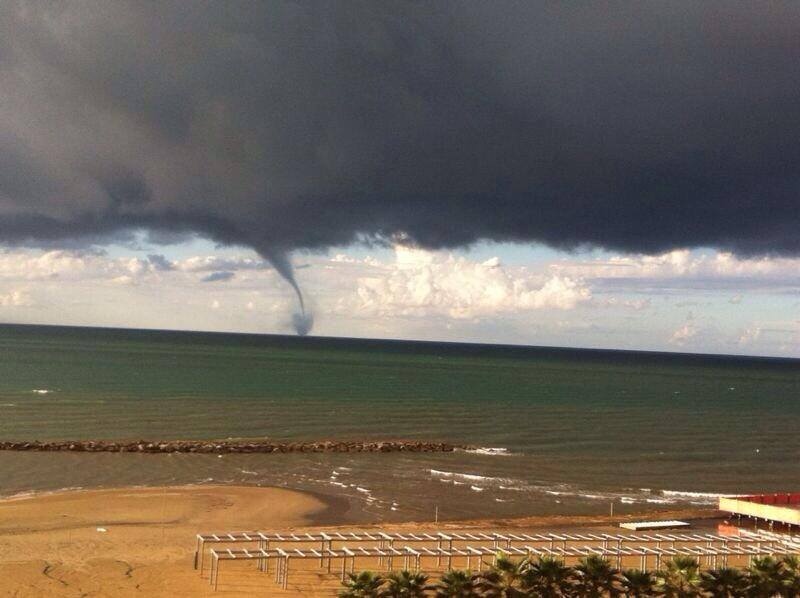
<point>457,584</point>
<point>547,577</point>
<point>502,580</point>
<point>791,583</point>
<point>595,577</point>
<point>681,579</point>
<point>725,582</point>
<point>767,577</point>
<point>362,585</point>
<point>637,584</point>
<point>791,563</point>
<point>489,584</point>
<point>405,584</point>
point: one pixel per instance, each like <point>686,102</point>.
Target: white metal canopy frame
<point>323,538</point>
<point>472,547</point>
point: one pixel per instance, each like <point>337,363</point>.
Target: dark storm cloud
<point>160,263</point>
<point>633,126</point>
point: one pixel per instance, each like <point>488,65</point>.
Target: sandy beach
<point>140,541</point>
<point>52,545</point>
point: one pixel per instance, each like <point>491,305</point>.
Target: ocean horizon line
<point>411,342</point>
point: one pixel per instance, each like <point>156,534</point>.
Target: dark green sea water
<point>578,428</point>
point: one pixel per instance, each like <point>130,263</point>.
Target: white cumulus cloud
<point>684,335</point>
<point>682,263</point>
<point>421,283</point>
<point>15,298</point>
<point>750,335</point>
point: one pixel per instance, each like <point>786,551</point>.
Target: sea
<point>559,431</point>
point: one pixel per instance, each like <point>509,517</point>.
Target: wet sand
<point>141,541</point>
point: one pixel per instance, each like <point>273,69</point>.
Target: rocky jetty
<point>233,446</point>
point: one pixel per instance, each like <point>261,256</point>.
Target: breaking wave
<point>490,450</point>
<point>695,498</point>
<point>470,477</point>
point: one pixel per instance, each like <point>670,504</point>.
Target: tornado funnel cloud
<point>303,320</point>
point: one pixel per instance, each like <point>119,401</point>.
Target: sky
<point>689,301</point>
<point>619,175</point>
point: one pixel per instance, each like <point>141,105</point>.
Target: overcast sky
<point>613,175</point>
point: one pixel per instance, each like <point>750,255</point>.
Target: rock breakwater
<point>233,446</point>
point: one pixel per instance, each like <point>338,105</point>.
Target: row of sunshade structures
<point>472,547</point>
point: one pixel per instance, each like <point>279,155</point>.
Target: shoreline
<point>331,511</point>
<point>394,487</point>
<point>335,507</point>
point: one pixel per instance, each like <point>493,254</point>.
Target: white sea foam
<point>476,488</point>
<point>472,477</point>
<point>585,495</point>
<point>360,489</point>
<point>248,472</point>
<point>33,493</point>
<point>495,451</point>
<point>682,493</point>
<point>41,391</point>
<point>455,474</point>
<point>696,498</point>
<point>8,405</point>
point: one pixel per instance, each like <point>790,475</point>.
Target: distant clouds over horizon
<point>677,301</point>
